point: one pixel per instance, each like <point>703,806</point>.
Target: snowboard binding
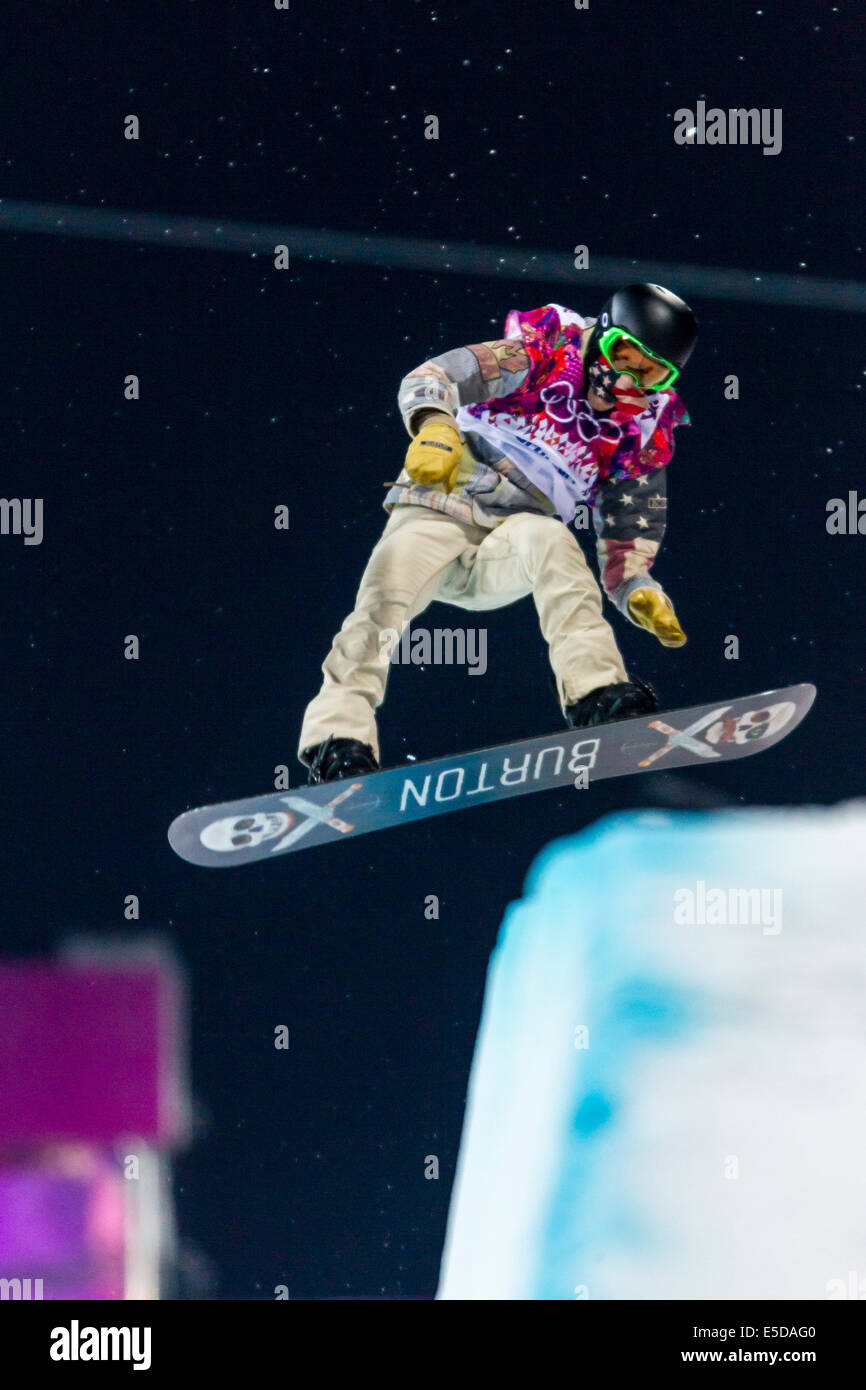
<point>609,703</point>
<point>337,758</point>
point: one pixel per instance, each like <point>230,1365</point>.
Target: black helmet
<point>660,321</point>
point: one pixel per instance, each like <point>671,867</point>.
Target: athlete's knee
<point>527,529</point>
<point>541,539</point>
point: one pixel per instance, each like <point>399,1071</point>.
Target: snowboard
<point>271,826</point>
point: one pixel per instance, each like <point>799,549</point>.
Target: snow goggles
<point>612,336</point>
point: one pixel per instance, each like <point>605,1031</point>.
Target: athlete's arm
<point>430,396</point>
<point>629,517</point>
<point>463,376</point>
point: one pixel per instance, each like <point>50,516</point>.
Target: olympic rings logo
<point>562,406</point>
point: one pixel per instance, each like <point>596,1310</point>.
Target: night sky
<point>259,388</point>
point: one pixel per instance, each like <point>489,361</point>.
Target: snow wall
<point>668,1095</point>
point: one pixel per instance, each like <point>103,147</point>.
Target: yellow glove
<point>656,613</point>
<point>435,454</point>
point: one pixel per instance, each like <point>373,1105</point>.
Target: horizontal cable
<point>408,253</point>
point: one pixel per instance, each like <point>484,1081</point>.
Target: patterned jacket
<point>628,513</point>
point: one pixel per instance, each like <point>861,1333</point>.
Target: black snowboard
<point>267,827</point>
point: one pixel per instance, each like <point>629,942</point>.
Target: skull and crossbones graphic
<point>720,727</point>
<point>755,723</point>
<point>245,832</point>
<point>234,833</point>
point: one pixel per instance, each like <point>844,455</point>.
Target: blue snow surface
<point>548,1185</point>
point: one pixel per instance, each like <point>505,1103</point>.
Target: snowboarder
<point>509,438</point>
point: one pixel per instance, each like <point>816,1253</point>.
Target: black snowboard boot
<point>607,704</point>
<point>338,757</point>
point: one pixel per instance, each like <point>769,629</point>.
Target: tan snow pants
<point>424,555</point>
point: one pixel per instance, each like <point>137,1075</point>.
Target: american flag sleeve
<point>629,516</point>
<point>463,376</point>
